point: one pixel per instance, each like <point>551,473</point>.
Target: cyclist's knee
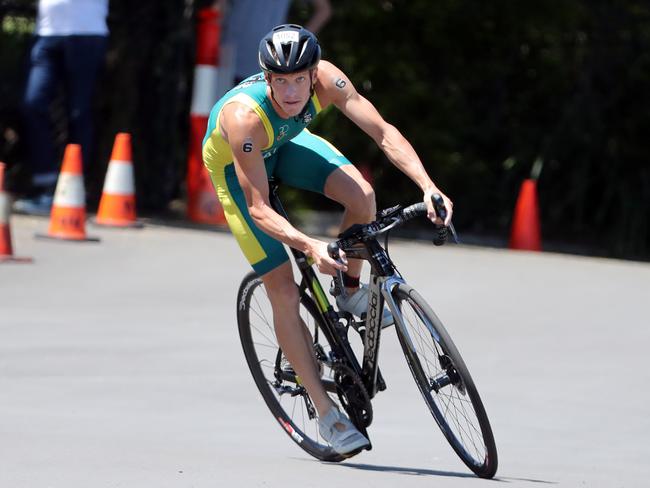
<point>361,201</point>
<point>281,288</point>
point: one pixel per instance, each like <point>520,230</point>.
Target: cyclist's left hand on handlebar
<point>325,264</point>
<point>431,213</point>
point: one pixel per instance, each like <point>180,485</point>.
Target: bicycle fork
<point>449,375</point>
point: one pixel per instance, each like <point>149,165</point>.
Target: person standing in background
<point>71,39</point>
<point>247,21</point>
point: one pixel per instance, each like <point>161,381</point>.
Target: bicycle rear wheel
<point>445,383</point>
<point>281,389</point>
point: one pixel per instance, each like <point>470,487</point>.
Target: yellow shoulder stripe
<point>251,103</point>
<point>316,101</point>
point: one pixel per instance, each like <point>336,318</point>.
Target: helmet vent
<point>286,52</point>
<point>271,49</point>
<point>302,51</point>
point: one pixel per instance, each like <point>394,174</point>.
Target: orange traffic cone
<point>68,216</point>
<point>6,251</point>
<point>203,206</point>
<point>117,205</point>
<point>526,233</point>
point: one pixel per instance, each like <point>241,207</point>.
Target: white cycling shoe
<point>342,435</point>
<point>357,304</point>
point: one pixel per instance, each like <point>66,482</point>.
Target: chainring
<point>353,396</point>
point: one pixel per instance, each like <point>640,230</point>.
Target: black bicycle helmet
<point>289,48</point>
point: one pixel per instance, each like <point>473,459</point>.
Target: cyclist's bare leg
<point>293,336</point>
<point>348,187</point>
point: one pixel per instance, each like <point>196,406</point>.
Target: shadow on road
<point>431,472</point>
<point>404,470</point>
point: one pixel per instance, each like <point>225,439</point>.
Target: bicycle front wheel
<point>445,383</point>
<point>281,389</point>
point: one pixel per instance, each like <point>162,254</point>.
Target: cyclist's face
<point>291,91</point>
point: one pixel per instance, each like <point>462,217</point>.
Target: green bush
<point>481,89</point>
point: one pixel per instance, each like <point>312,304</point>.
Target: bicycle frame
<point>458,412</point>
<point>383,279</point>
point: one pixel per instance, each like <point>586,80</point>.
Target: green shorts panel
<point>263,252</point>
<point>305,162</point>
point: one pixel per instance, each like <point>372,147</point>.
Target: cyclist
<point>258,129</point>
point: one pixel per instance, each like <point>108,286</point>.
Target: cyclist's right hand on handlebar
<point>318,252</point>
<point>431,211</point>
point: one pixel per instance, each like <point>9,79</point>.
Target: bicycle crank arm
<point>292,377</point>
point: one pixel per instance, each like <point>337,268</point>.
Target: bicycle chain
<point>353,396</point>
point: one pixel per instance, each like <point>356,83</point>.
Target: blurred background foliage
<point>483,90</point>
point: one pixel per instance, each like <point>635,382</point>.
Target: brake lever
<point>337,287</point>
<point>453,233</point>
<point>441,231</point>
<point>439,207</point>
<point>441,211</point>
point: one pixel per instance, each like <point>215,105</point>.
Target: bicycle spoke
<point>454,417</point>
<point>445,390</point>
<point>461,402</point>
<point>263,318</point>
<point>266,363</point>
<point>287,399</point>
<point>452,411</point>
<point>270,346</point>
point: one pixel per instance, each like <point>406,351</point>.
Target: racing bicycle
<point>353,379</point>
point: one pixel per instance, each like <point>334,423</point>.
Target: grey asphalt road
<point>120,366</point>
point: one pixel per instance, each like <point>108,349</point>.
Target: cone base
<point>206,210</point>
<point>208,220</point>
<point>15,259</point>
<point>117,223</point>
<point>57,237</point>
<point>515,246</point>
<point>116,210</point>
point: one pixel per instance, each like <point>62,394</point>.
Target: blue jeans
<point>75,62</point>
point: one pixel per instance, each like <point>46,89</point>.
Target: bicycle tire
<point>255,322</point>
<point>450,404</point>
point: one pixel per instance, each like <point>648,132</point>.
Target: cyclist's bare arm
<point>246,136</point>
<point>335,87</point>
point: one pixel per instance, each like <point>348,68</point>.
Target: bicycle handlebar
<point>420,208</point>
<point>390,218</point>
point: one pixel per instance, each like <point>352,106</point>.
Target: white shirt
<point>70,17</point>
